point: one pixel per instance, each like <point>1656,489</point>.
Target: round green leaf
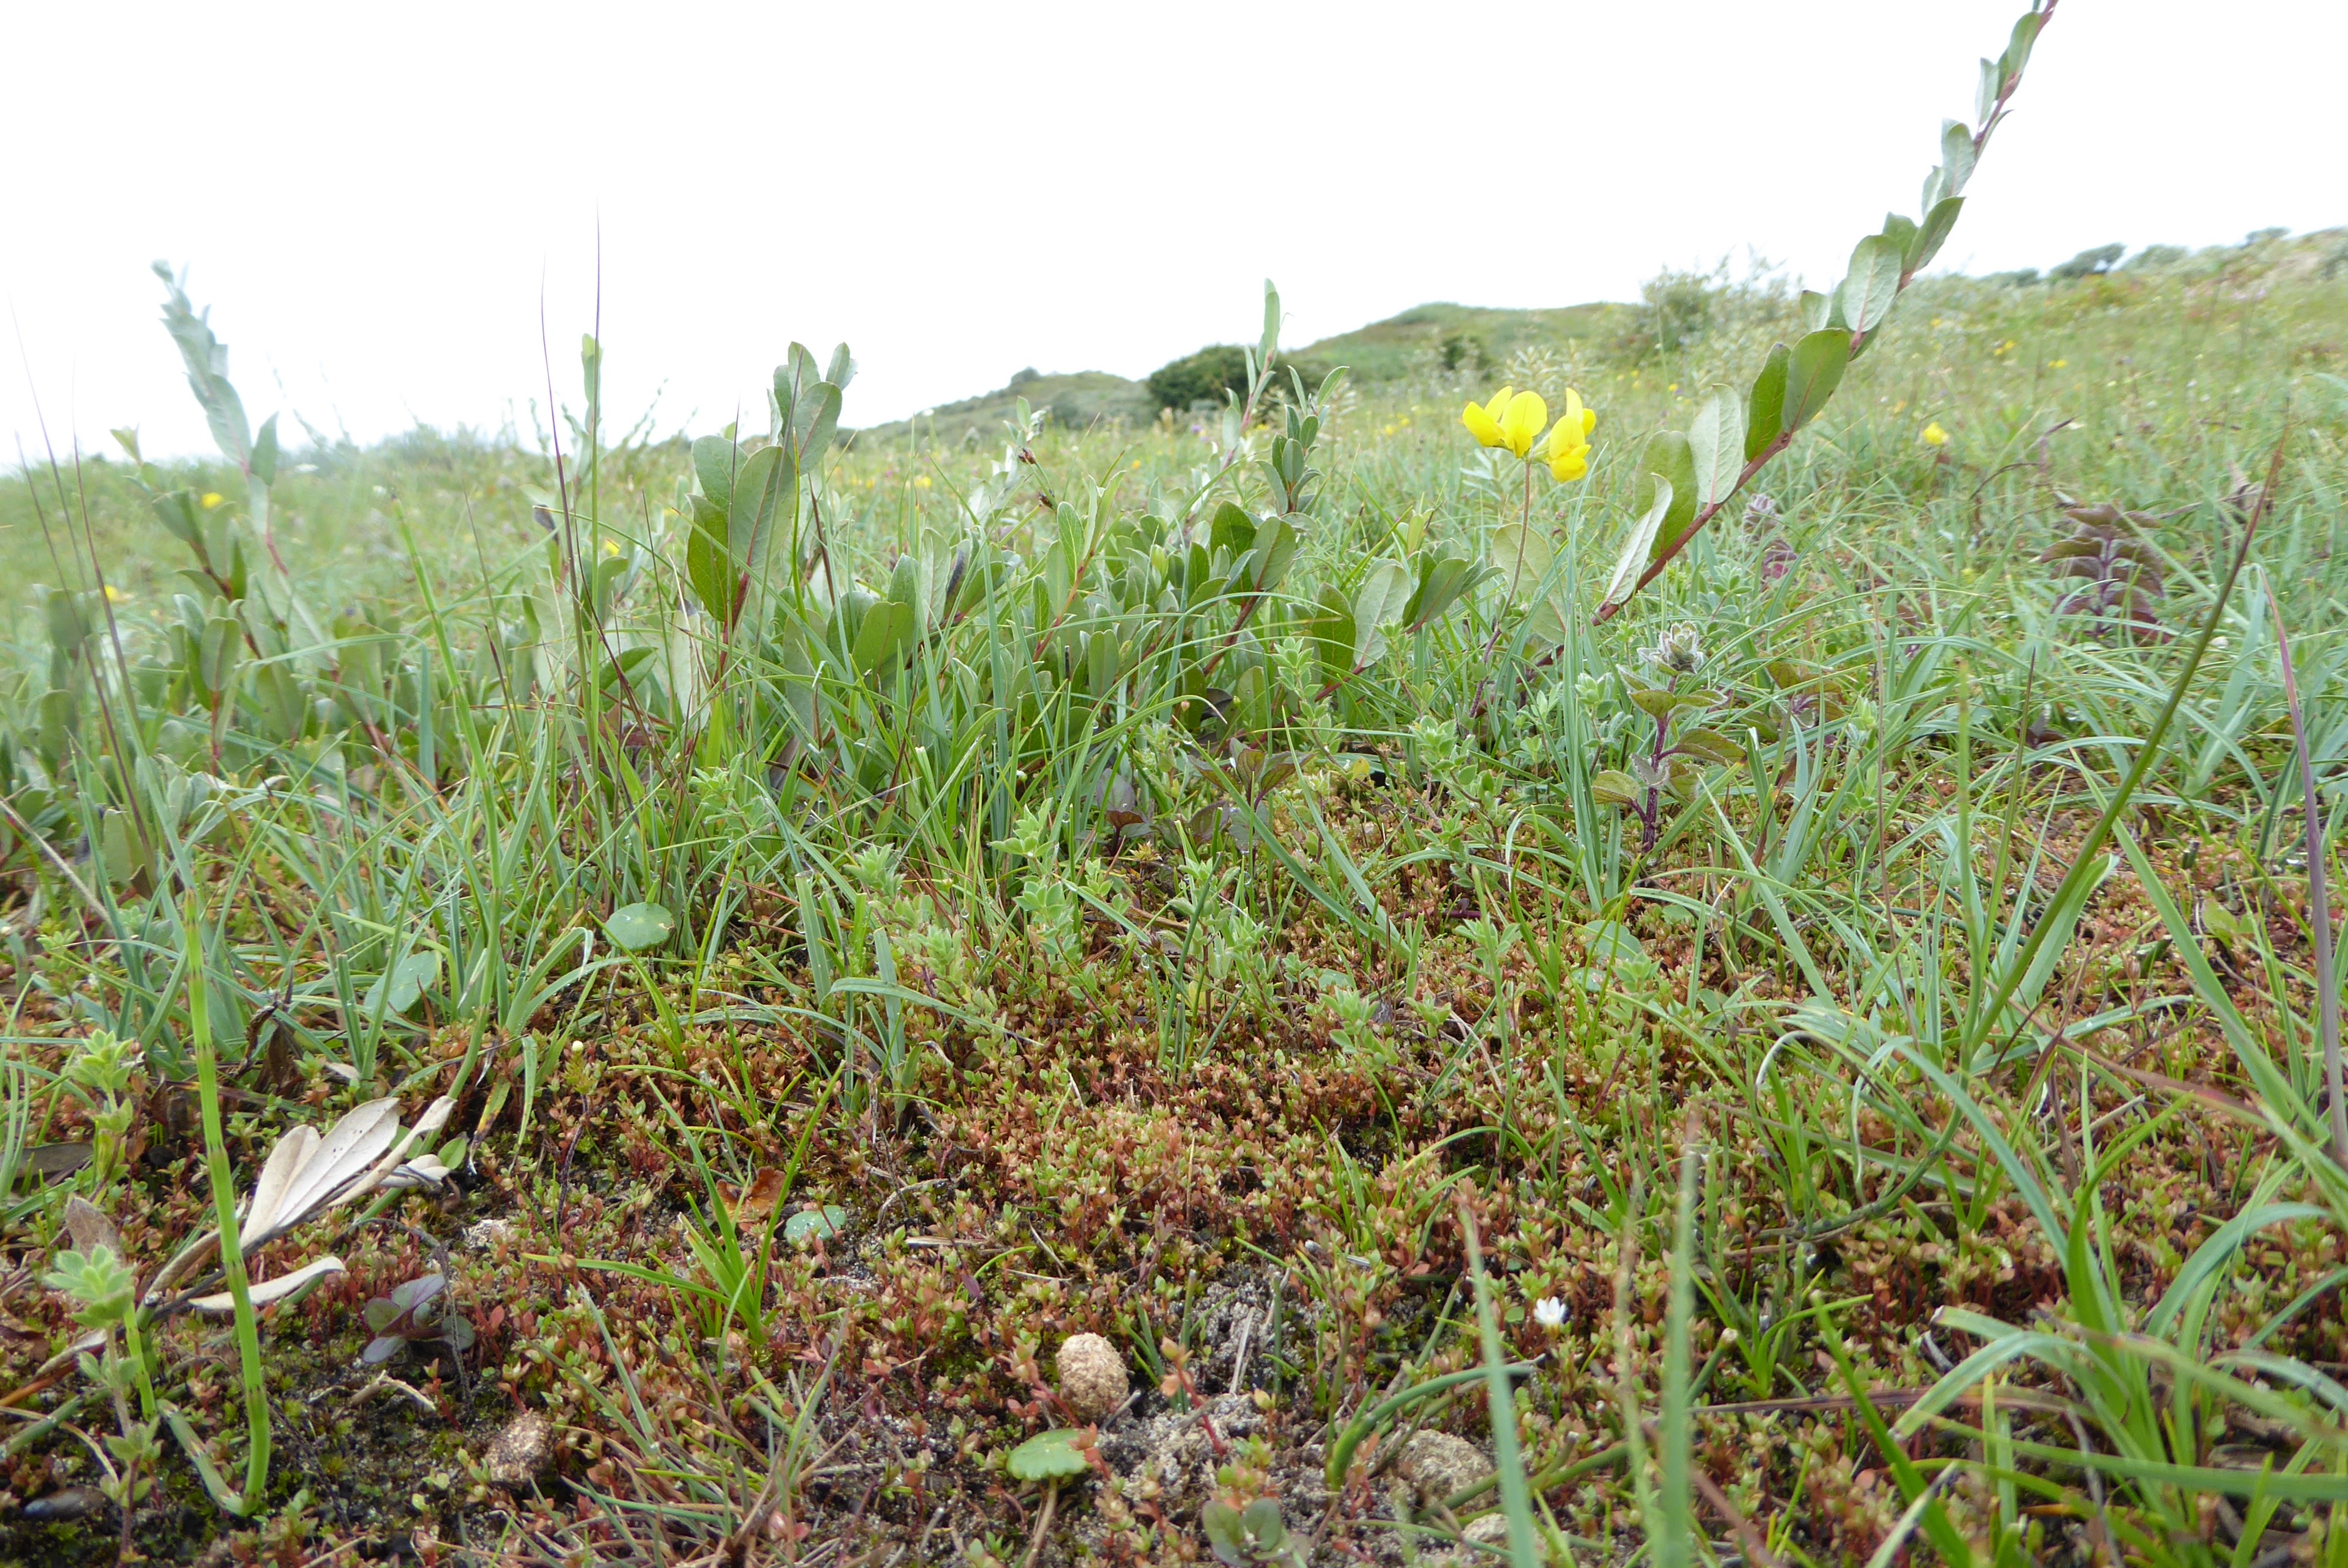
<point>815,1224</point>
<point>1048,1455</point>
<point>639,927</point>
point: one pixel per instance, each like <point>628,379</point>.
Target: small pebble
<point>520,1453</point>
<point>1438,1464</point>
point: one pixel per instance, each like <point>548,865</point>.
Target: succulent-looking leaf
<point>1231,529</point>
<point>1378,604</point>
<point>1611,942</point>
<point>1901,232</point>
<point>1275,547</point>
<point>708,568</point>
<point>263,463</point>
<point>1872,284</point>
<point>1613,787</point>
<point>1050,1455</point>
<point>1716,439</point>
<point>714,459</point>
<point>633,927</point>
<point>1636,546</point>
<point>2018,46</point>
<point>1956,158</point>
<point>1934,233</point>
<point>815,1224</point>
<point>1764,410</point>
<point>1332,628</point>
<point>404,987</point>
<point>1711,746</point>
<point>1667,465</point>
<point>1441,582</point>
<point>760,511</point>
<point>1814,373</point>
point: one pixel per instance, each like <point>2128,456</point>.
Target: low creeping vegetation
<point>793,999</point>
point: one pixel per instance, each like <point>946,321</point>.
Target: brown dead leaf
<point>754,1207</point>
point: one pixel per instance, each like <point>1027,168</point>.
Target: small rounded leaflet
<point>639,927</point>
<point>1051,1456</point>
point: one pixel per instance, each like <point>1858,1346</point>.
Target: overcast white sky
<point>375,199</point>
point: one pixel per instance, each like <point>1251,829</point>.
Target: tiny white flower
<point>1549,1313</point>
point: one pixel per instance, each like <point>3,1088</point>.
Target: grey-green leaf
<point>2018,46</point>
<point>1812,376</point>
<point>402,988</point>
<point>263,463</point>
<point>1716,436</point>
<point>815,1224</point>
<point>1872,284</point>
<point>1765,409</point>
<point>760,508</point>
<point>1048,1455</point>
<point>1378,604</point>
<point>1668,462</point>
<point>1956,157</point>
<point>713,462</point>
<point>637,927</point>
<point>1934,233</point>
<point>1642,538</point>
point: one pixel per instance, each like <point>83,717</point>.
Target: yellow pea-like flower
<point>1512,419</point>
<point>1934,436</point>
<point>1568,447</point>
<point>211,498</point>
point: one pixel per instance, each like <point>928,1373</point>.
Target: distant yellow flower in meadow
<point>1512,419</point>
<point>115,595</point>
<point>1569,440</point>
<point>212,498</point>
<point>2058,364</point>
<point>920,481</point>
<point>610,547</point>
<point>1934,436</point>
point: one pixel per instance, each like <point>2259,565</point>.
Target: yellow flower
<point>920,481</point>
<point>2057,364</point>
<point>610,547</point>
<point>115,595</point>
<point>212,498</point>
<point>1934,436</point>
<point>1512,419</point>
<point>1568,443</point>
